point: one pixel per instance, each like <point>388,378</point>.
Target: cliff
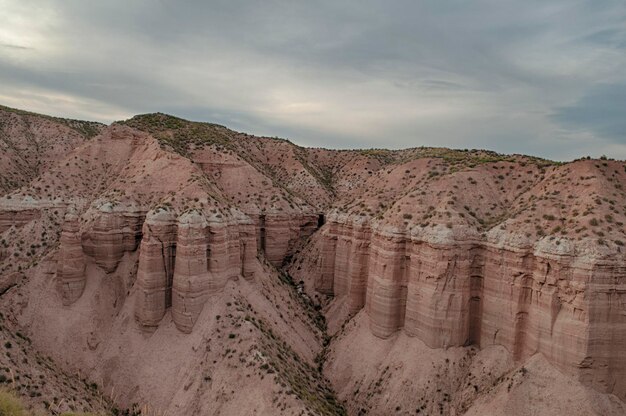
<point>450,289</point>
<point>116,229</point>
<point>156,267</point>
<point>71,261</point>
<point>182,259</point>
<point>169,241</point>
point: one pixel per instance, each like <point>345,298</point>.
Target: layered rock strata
<point>210,251</point>
<point>279,234</point>
<point>192,281</point>
<point>183,261</point>
<point>155,272</point>
<point>115,230</point>
<point>452,289</point>
<point>71,276</point>
<point>17,217</point>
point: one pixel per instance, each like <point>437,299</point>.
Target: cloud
<point>601,111</point>
<point>510,76</point>
<point>9,46</point>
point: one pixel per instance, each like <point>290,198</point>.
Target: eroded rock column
<point>387,286</point>
<point>156,267</point>
<point>438,299</point>
<point>351,263</point>
<point>223,254</point>
<point>71,261</point>
<point>604,365</point>
<point>191,283</point>
<point>282,232</point>
<point>247,250</point>
<point>116,229</point>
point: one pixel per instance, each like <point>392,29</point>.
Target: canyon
<point>185,268</point>
<point>553,299</point>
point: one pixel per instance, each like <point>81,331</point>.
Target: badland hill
<point>162,266</point>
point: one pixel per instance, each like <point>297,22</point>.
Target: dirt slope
<point>185,268</point>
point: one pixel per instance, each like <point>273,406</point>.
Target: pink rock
<point>156,267</point>
<point>71,276</point>
<point>192,282</point>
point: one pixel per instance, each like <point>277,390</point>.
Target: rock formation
<point>448,250</point>
<point>155,272</point>
<point>17,216</point>
<point>557,299</point>
<point>184,260</point>
<point>280,233</point>
<point>210,251</point>
<point>115,230</point>
<point>71,276</point>
<point>192,282</point>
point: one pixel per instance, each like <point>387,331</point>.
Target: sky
<point>546,78</point>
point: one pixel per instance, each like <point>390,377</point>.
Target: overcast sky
<point>544,77</point>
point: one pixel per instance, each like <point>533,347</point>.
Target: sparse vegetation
<point>179,134</point>
<point>475,194</point>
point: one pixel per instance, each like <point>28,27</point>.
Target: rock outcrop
<point>452,247</point>
<point>155,272</point>
<point>182,261</point>
<point>279,234</point>
<point>192,281</point>
<point>71,276</point>
<point>453,289</point>
<point>116,229</point>
<point>17,214</point>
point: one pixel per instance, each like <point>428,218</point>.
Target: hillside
<point>186,268</point>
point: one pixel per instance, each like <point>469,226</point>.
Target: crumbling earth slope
<point>185,268</point>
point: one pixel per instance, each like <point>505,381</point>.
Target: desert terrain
<point>160,266</point>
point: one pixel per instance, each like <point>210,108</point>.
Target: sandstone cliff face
<point>192,281</point>
<point>115,230</point>
<point>209,252</point>
<point>454,289</point>
<point>17,217</point>
<point>156,267</point>
<point>279,234</point>
<point>182,260</point>
<point>446,246</point>
<point>71,261</point>
<point>348,254</point>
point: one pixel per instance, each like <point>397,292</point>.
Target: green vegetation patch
<point>180,134</point>
<point>305,382</point>
<point>463,157</point>
<point>88,129</point>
